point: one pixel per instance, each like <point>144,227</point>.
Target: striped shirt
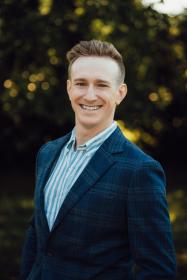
<point>68,168</point>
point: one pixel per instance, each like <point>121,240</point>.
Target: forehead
<point>93,67</point>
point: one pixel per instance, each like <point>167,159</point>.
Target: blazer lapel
<point>50,157</point>
<point>98,165</point>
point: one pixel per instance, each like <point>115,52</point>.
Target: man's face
<point>94,91</point>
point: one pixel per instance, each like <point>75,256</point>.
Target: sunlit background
<point>34,108</point>
<point>171,7</point>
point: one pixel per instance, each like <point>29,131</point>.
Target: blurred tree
<point>34,38</point>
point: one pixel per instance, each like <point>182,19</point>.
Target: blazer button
<point>49,254</point>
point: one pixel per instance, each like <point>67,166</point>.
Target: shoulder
<point>49,151</point>
<point>137,163</point>
<point>53,144</point>
<point>134,155</point>
<point>147,173</point>
<point>128,155</point>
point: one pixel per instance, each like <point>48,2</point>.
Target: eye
<point>102,85</point>
<point>80,84</point>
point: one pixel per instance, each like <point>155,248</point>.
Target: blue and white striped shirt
<point>69,166</point>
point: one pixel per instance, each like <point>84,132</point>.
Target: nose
<point>90,95</point>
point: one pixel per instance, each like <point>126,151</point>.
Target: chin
<point>90,125</point>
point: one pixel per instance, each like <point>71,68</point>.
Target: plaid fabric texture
<point>112,225</point>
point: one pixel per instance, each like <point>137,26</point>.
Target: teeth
<point>90,108</point>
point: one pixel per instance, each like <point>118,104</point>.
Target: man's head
<point>98,49</point>
<point>95,85</point>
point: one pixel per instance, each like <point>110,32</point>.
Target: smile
<point>90,108</point>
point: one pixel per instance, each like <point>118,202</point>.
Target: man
<point>100,202</point>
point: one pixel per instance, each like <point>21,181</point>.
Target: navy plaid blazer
<point>113,224</point>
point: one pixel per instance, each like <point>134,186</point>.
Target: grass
<point>16,206</point>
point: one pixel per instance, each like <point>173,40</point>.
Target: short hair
<point>99,49</point>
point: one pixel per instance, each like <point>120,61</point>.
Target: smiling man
<point>100,202</point>
<point>94,90</point>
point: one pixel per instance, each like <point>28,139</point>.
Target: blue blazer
<point>113,224</point>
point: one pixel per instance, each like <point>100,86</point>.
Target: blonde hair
<point>99,49</point>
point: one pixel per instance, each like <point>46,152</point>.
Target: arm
<point>150,234</point>
<point>29,251</point>
<point>30,243</point>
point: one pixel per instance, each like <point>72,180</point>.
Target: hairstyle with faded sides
<point>99,49</point>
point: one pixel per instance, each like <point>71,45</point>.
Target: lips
<point>90,107</point>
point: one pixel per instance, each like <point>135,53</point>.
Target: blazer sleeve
<point>30,242</point>
<point>149,227</point>
<point>28,251</point>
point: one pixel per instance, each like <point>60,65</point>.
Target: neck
<point>84,134</point>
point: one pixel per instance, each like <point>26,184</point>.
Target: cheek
<point>112,99</point>
<point>107,97</point>
<point>76,95</point>
<point>73,98</point>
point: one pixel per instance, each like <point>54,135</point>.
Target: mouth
<point>90,107</point>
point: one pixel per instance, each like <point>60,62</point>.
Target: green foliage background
<point>34,38</point>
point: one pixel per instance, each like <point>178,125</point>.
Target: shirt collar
<point>96,140</point>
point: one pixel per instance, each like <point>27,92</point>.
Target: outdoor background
<point>34,108</point>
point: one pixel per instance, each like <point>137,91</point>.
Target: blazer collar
<point>115,143</point>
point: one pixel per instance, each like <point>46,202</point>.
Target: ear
<point>121,94</point>
<point>68,86</point>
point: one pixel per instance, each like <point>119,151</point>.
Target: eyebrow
<point>97,80</point>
